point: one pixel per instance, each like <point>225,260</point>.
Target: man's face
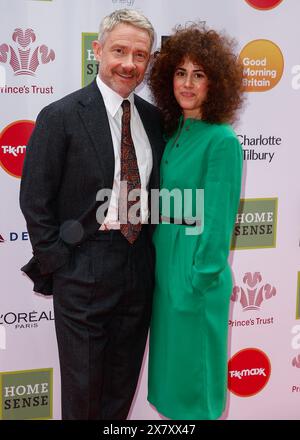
<point>123,58</point>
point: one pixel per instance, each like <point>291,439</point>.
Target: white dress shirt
<point>112,102</point>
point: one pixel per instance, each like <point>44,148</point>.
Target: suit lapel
<point>93,114</point>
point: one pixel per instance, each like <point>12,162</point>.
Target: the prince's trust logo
<point>24,58</point>
<point>253,293</point>
<point>26,394</point>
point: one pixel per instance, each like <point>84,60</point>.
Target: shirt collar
<point>112,100</point>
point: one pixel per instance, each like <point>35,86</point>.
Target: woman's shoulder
<point>224,137</point>
<point>222,131</point>
<point>224,141</point>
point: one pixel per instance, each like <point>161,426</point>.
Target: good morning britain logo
<point>264,5</point>
<point>263,65</point>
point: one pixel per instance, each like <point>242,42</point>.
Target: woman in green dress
<point>197,83</point>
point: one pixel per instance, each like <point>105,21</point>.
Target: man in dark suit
<point>101,272</point>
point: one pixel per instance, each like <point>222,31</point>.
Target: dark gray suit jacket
<point>69,158</point>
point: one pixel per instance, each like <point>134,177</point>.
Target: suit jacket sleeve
<point>41,179</point>
<point>221,199</point>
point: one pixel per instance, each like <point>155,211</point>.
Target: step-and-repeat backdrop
<point>45,53</point>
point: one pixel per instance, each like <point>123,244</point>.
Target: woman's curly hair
<point>214,52</point>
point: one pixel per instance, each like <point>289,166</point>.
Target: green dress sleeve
<point>221,199</point>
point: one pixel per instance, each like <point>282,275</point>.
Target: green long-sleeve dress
<point>189,328</point>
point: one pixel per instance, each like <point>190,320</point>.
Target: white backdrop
<point>264,327</point>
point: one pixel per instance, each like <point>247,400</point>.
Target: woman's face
<point>190,85</point>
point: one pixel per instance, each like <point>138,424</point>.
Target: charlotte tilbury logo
<point>24,58</point>
<point>253,293</point>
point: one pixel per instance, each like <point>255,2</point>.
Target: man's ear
<point>97,49</point>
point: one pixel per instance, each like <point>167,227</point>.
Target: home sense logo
<point>89,63</point>
<point>263,65</point>
<point>13,142</point>
<point>26,394</point>
<point>256,224</point>
<point>249,371</point>
<point>264,4</point>
<point>23,58</point>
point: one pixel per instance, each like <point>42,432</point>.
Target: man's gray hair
<point>129,16</point>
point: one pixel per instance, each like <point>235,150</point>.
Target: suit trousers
<point>102,303</point>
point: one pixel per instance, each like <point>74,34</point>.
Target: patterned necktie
<point>130,179</point>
